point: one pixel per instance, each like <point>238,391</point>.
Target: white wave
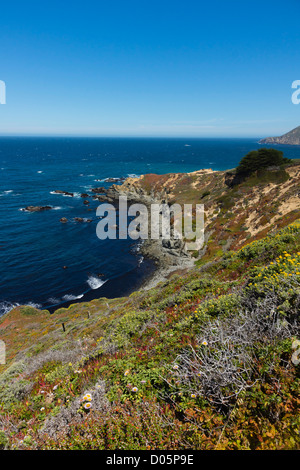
<point>137,247</point>
<point>111,179</point>
<point>66,195</point>
<point>40,171</point>
<point>94,282</point>
<point>4,193</point>
<point>34,305</point>
<point>6,307</point>
<point>56,208</point>
<point>133,175</point>
<point>53,300</point>
<point>72,297</point>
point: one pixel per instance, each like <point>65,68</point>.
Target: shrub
<point>223,364</point>
<point>3,440</point>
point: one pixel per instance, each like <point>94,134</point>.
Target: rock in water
<point>37,208</point>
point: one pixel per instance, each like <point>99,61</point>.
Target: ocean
<point>48,264</point>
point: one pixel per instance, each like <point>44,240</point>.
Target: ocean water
<point>35,247</point>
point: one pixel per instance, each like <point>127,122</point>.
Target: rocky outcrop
<point>64,193</point>
<point>101,189</point>
<point>100,198</point>
<point>168,254</point>
<point>36,208</point>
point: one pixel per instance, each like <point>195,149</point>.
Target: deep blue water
<point>34,247</point>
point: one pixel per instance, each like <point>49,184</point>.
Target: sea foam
<point>68,297</point>
<point>94,282</point>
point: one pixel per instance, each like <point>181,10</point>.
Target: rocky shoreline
<point>169,255</point>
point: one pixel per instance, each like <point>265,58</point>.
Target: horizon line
<point>95,136</point>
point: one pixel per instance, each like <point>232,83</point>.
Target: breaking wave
<point>95,282</point>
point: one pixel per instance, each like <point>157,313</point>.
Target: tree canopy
<point>261,158</point>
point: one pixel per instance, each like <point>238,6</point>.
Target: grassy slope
<point>141,358</point>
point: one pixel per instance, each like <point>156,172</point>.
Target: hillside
<point>206,359</point>
<point>234,213</point>
<point>290,138</point>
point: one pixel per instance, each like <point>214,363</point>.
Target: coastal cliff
<point>234,213</point>
<point>205,359</point>
<point>290,138</point>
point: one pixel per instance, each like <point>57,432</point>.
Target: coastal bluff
<point>290,138</point>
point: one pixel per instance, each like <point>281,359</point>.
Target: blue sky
<point>141,68</point>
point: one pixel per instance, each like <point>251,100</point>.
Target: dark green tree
<point>261,158</point>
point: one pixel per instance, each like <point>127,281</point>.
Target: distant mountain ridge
<point>290,138</point>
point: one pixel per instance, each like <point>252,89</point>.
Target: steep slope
<point>208,359</point>
<point>234,213</point>
<point>290,138</point>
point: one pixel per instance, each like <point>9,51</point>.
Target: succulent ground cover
<point>205,360</point>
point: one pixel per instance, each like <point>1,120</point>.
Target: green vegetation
<point>202,361</point>
<point>205,360</point>
<point>259,159</point>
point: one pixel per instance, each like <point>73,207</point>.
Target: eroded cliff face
<point>233,213</point>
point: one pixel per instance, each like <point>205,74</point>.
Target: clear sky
<point>149,68</point>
